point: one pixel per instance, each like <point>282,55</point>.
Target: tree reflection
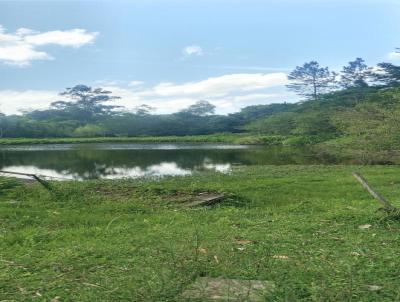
<point>94,161</point>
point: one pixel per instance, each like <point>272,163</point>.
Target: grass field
<point>131,240</point>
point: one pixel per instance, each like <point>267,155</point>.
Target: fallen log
<point>34,176</point>
<point>206,199</point>
<point>387,206</point>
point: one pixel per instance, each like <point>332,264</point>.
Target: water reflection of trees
<point>95,163</point>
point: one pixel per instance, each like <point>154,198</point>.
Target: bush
<point>89,130</point>
<point>304,140</point>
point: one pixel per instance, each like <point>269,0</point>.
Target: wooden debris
<point>205,199</point>
<point>281,257</point>
<point>364,226</point>
<point>387,206</point>
<point>374,287</point>
<point>218,289</point>
<point>34,176</point>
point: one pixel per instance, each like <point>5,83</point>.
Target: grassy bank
<point>126,240</point>
<point>351,149</point>
<point>213,138</point>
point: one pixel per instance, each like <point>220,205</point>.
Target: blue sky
<point>171,53</point>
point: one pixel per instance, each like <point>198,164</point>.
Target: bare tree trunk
<point>315,89</point>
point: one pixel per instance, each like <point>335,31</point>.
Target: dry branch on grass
<point>387,206</point>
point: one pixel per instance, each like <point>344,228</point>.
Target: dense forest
<point>360,104</point>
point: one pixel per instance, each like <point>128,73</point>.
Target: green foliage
<point>297,226</point>
<point>281,123</point>
<point>364,111</point>
<point>89,131</point>
<point>371,125</point>
<point>365,117</point>
<point>311,80</point>
<point>269,140</point>
<point>301,140</point>
<point>143,109</point>
<point>310,123</point>
<point>215,138</point>
<point>388,74</point>
<point>87,104</point>
<point>255,112</point>
<point>362,123</point>
<point>314,123</point>
<point>355,74</point>
<point>200,108</point>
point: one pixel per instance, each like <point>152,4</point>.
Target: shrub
<point>89,130</point>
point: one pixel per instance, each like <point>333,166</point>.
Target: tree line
<point>90,112</point>
<point>311,80</point>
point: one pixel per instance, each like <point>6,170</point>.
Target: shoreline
<point>237,139</point>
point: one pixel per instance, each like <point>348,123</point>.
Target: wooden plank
<point>382,200</point>
<point>206,199</point>
<point>34,176</point>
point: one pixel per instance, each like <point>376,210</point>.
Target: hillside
<point>350,122</point>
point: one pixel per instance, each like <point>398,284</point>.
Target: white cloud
<point>228,92</point>
<point>21,47</point>
<point>249,68</point>
<point>193,50</point>
<point>73,38</point>
<point>222,85</point>
<point>394,55</point>
<point>21,54</point>
<point>12,102</point>
<point>25,31</point>
<point>136,83</point>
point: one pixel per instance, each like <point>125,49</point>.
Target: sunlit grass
<point>131,240</point>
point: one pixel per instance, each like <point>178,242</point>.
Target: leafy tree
<point>89,130</point>
<point>88,102</point>
<point>388,74</point>
<point>200,108</point>
<point>355,74</point>
<point>311,80</point>
<point>314,123</point>
<point>144,110</point>
<point>254,112</point>
<point>282,123</point>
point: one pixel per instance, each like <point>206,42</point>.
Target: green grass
<point>213,138</point>
<point>351,149</point>
<point>130,240</point>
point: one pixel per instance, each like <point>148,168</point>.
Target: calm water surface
<point>121,160</point>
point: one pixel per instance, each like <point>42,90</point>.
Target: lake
<point>133,160</point>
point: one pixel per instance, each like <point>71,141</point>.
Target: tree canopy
<point>87,102</point>
<point>311,80</point>
<point>387,74</point>
<point>200,108</point>
<point>355,74</point>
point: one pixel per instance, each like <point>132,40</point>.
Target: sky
<point>172,53</point>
